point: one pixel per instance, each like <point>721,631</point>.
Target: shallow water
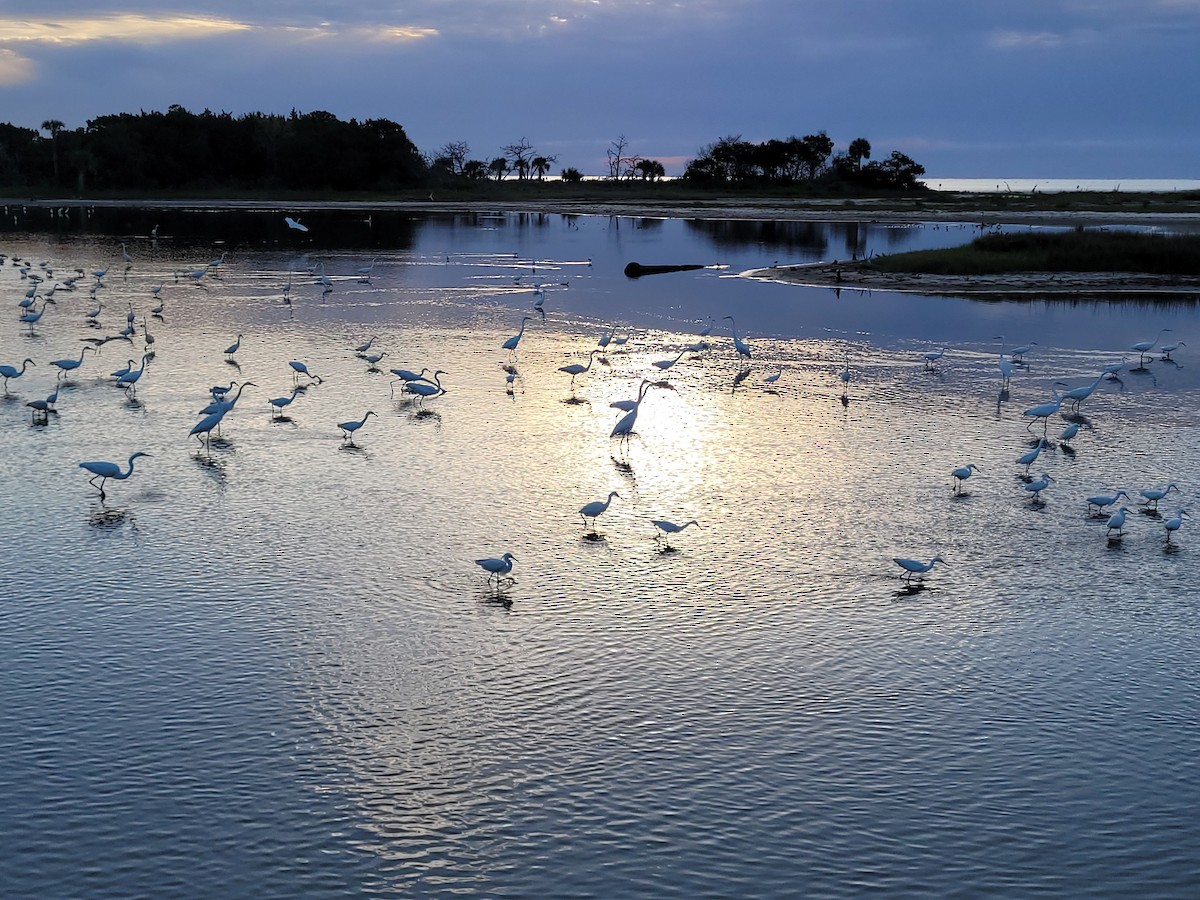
<point>272,667</point>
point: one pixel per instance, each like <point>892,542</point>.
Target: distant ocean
<point>1055,185</point>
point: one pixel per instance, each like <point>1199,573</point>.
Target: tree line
<point>207,151</point>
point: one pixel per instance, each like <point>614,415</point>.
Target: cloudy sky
<point>968,88</point>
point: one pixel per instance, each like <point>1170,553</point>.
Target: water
<point>1057,185</point>
<point>272,668</point>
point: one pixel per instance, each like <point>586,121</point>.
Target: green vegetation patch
<point>1073,251</point>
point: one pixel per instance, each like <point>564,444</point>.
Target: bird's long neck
<point>131,459</point>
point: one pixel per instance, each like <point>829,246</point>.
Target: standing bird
<point>606,339</point>
<point>107,470</point>
<point>961,474</point>
<point>1018,353</point>
<point>7,372</point>
<point>915,566</point>
<point>933,356</point>
<point>94,316</point>
<point>69,365</point>
<point>1153,495</point>
<point>1117,522</point>
<point>743,349</point>
<point>32,317</point>
<point>130,379</point>
<point>771,380</point>
<point>1068,433</point>
<point>1174,524</point>
<point>348,428</point>
<point>595,509</point>
<point>1079,394</point>
<point>1144,347</point>
<point>1005,365</point>
<point>665,364</point>
<point>422,388</point>
<point>668,528</point>
<point>496,567</point>
<point>299,368</point>
<point>1045,410</point>
<point>1028,458</point>
<point>511,343</point>
<point>1036,487</point>
<point>363,348</point>
<point>278,403</point>
<point>1167,349</point>
<point>1101,500</point>
<point>578,368</point>
<point>624,427</point>
<point>125,257</point>
<point>232,349</point>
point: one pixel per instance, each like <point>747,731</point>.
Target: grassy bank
<point>1072,251</point>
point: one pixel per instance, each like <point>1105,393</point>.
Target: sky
<point>967,88</point>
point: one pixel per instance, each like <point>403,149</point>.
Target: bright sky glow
<point>1028,88</point>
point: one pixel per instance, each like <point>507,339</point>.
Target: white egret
<point>707,329</point>
<point>1036,487</point>
<point>126,258</point>
<point>222,405</point>
<point>1079,394</point>
<point>1153,495</point>
<point>630,405</point>
<point>511,343</point>
<point>70,365</point>
<point>1117,521</point>
<point>7,372</point>
<point>363,348</point>
<point>578,368</point>
<point>405,376</point>
<point>373,358</point>
<point>668,528</point>
<point>596,508</point>
<point>1102,500</point>
<point>496,567</point>
<point>1028,458</point>
<point>94,314</point>
<point>1069,432</point>
<point>1144,347</point>
<point>278,403</point>
<point>1005,365</point>
<point>772,379</point>
<point>1018,353</point>
<point>423,388</point>
<point>32,317</point>
<point>107,470</point>
<point>348,428</point>
<point>1167,349</point>
<point>1174,524</point>
<point>933,356</point>
<point>146,335</point>
<point>299,368</point>
<point>606,338</point>
<point>294,224</point>
<point>203,429</point>
<point>961,474</point>
<point>364,272</point>
<point>233,348</point>
<point>130,379</point>
<point>743,349</point>
<point>915,566</point>
<point>624,427</point>
<point>1044,411</point>
<point>218,391</point>
<point>665,364</point>
<point>124,370</point>
<point>42,408</point>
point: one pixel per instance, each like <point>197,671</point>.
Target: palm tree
<point>498,167</point>
<point>54,126</point>
<point>540,166</point>
<point>860,149</point>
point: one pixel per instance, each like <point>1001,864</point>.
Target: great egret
<point>294,224</point>
<point>961,474</point>
<point>511,343</point>
<point>707,329</point>
<point>669,528</point>
<point>1102,500</point>
<point>1018,353</point>
<point>596,509</point>
<point>578,368</point>
<point>107,470</point>
<point>7,372</point>
<point>1079,394</point>
<point>363,348</point>
<point>233,348</point>
<point>348,428</point>
<point>496,567</point>
<point>772,379</point>
<point>1153,495</point>
<point>364,272</point>
<point>665,364</point>
<point>405,376</point>
<point>1144,347</point>
<point>69,365</point>
<point>278,403</point>
<point>743,349</point>
<point>124,370</point>
<point>299,368</point>
<point>373,359</point>
<point>605,339</point>
<point>32,317</point>
<point>630,405</point>
<point>933,356</point>
<point>422,388</point>
<point>915,566</point>
<point>130,379</point>
<point>624,427</point>
<point>1117,521</point>
<point>218,391</point>
<point>94,315</point>
<point>1005,365</point>
<point>203,429</point>
<point>1174,524</point>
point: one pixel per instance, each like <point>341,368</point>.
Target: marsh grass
<point>1074,251</point>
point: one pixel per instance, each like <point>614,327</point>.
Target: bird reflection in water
<point>739,378</point>
<point>110,517</point>
<point>911,589</point>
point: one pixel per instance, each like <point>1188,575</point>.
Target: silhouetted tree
<point>519,155</point>
<point>540,165</point>
<point>498,167</point>
<point>571,176</point>
<point>860,149</point>
<point>650,169</point>
<point>54,126</point>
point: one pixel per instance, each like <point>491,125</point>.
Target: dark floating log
<point>637,270</point>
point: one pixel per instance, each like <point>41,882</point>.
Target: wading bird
<point>496,567</point>
<point>348,428</point>
<point>961,474</point>
<point>1144,347</point>
<point>1068,433</point>
<point>915,566</point>
<point>742,348</point>
<point>665,364</point>
<point>294,224</point>
<point>107,470</point>
<point>7,372</point>
<point>932,357</point>
<point>1167,349</point>
<point>130,379</point>
<point>1102,500</point>
<point>69,365</point>
<point>1079,394</point>
<point>511,343</point>
<point>595,509</point>
<point>233,348</point>
<point>278,403</point>
<point>423,388</point>
<point>299,368</point>
<point>1116,522</point>
<point>32,317</point>
<point>1036,487</point>
<point>1045,410</point>
<point>668,528</point>
<point>1018,353</point>
<point>1028,458</point>
<point>578,368</point>
<point>1153,495</point>
<point>1174,524</point>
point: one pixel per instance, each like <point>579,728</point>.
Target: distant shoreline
<point>979,210</point>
